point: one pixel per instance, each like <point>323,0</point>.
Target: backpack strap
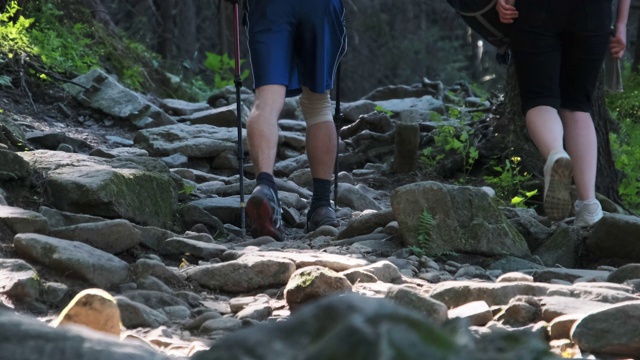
<point>478,13</point>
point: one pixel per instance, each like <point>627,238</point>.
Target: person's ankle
<point>266,179</point>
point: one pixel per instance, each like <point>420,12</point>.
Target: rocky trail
<point>120,232</point>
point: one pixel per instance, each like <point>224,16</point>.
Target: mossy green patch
<point>145,197</point>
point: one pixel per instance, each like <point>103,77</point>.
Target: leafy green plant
<point>455,113</point>
<point>61,48</point>
<point>13,32</point>
<point>509,179</point>
<point>449,139</point>
<point>519,201</point>
<point>187,189</point>
<point>434,116</point>
<point>223,69</point>
<point>64,49</point>
<point>429,159</point>
<point>425,227</point>
<point>380,109</point>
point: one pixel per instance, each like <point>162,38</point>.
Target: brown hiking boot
<point>264,214</point>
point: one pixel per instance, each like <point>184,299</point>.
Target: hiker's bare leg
<point>262,127</point>
<point>582,146</point>
<point>545,129</point>
<point>321,135</point>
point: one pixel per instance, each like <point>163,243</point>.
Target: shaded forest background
<point>389,42</point>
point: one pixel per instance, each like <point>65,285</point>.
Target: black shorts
<point>558,50</point>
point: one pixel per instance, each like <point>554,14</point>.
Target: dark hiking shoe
<point>322,216</point>
<point>264,214</point>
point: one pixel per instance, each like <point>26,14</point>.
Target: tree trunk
<point>187,22</point>
<point>101,15</point>
<point>636,53</point>
<point>165,37</point>
<point>608,178</point>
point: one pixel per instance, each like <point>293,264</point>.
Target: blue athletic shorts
<point>295,43</point>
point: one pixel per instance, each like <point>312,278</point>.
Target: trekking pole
<point>238,82</point>
<point>337,118</point>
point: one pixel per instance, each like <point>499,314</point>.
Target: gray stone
<point>433,310</point>
<point>26,338</point>
<point>615,236</point>
<point>354,198</point>
<point>511,263</point>
<point>624,273</point>
<point>477,313</point>
<point>288,166</point>
<point>176,313</point>
<point>259,312</point>
<point>570,275</point>
<point>153,284</point>
<point>556,306</point>
<point>384,271</point>
<point>23,221</point>
<point>514,277</point>
<point>117,152</point>
<point>313,282</point>
<point>404,91</point>
<point>561,248</point>
<point>225,209</point>
<point>18,282</point>
<point>367,223</point>
<point>58,219</point>
<point>225,116</point>
<point>610,331</point>
<point>13,166</point>
<point>73,258</point>
<point>112,236</point>
<point>220,324</point>
<point>199,249</point>
<point>194,141</point>
<point>246,274</point>
<point>104,93</point>
<point>181,107</point>
<point>303,259</point>
<point>457,293</point>
<point>154,299</point>
<point>135,314</point>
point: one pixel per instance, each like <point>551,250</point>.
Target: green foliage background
<point>625,141</point>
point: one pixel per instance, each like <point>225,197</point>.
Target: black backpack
<point>482,17</point>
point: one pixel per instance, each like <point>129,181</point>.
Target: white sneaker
<point>587,213</point>
<point>558,172</point>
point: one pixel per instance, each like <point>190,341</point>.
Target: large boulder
<point>88,185</point>
<point>464,219</point>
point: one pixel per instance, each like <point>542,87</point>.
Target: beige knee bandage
<point>316,108</point>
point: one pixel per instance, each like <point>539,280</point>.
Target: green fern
<point>425,227</point>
